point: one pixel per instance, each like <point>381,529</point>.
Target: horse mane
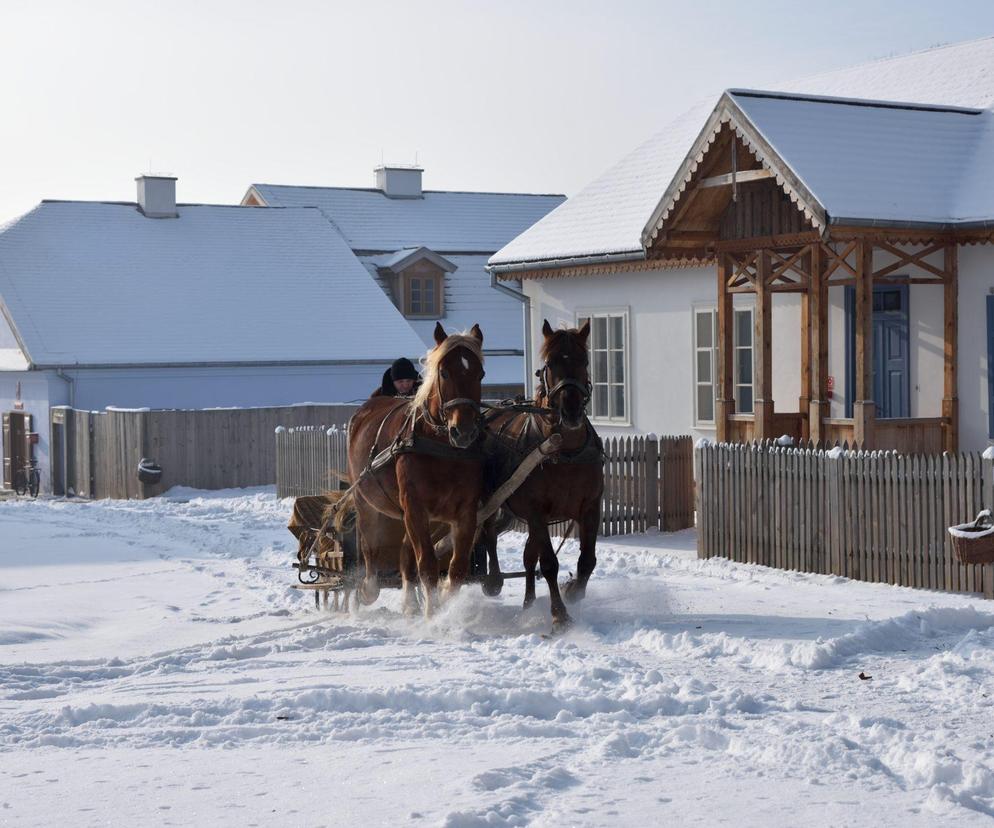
<point>432,362</point>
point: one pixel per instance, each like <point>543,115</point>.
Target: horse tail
<point>337,512</point>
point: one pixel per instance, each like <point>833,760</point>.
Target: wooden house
<point>815,262</point>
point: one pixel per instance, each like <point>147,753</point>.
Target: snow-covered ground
<point>157,668</point>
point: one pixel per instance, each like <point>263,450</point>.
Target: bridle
<point>585,388</point>
<point>441,426</point>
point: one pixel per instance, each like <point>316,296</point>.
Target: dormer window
<point>421,288</point>
<point>416,277</point>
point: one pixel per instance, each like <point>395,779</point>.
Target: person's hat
<point>403,369</point>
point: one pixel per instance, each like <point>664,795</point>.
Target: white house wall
<point>660,306</point>
<point>661,348</point>
<point>216,387</point>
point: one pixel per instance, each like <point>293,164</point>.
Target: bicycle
<point>27,480</point>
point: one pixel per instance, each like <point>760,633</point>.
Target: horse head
<point>565,373</point>
<point>451,392</point>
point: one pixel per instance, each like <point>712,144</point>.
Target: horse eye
<point>444,373</point>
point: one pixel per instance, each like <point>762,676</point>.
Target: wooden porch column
<point>725,404</point>
<point>864,409</point>
<point>763,348</point>
<point>950,395</point>
<point>804,401</point>
<point>818,409</point>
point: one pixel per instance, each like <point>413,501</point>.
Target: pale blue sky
<point>530,96</point>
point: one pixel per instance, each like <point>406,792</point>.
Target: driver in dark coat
<point>401,379</point>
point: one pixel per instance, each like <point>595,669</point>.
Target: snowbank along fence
<point>649,481</point>
<point>872,516</point>
<point>96,453</point>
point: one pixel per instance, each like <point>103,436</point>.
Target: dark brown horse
<point>432,476</point>
<point>570,486</point>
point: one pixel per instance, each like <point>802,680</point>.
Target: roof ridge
<point>840,100</point>
<point>377,190</point>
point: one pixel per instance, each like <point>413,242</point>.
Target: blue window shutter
<point>990,366</point>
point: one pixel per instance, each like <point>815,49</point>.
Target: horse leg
<point>419,534</point>
<point>549,564</point>
<point>576,589</point>
<point>409,577</point>
<point>493,581</point>
<point>463,535</point>
<point>532,549</point>
<point>368,590</point>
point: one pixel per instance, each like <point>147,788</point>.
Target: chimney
<point>399,181</point>
<point>157,196</point>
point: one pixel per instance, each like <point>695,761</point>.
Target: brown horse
<point>569,486</point>
<point>431,475</point>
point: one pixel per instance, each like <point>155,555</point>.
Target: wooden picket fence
<point>871,516</point>
<point>649,481</point>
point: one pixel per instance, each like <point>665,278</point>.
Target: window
<point>705,359</point>
<point>743,360</point>
<point>608,345</point>
<point>706,363</point>
<point>422,289</point>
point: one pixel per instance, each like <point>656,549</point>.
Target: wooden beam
<point>804,400</point>
<point>864,409</point>
<point>950,303</point>
<point>818,408</point>
<point>905,259</point>
<point>742,177</point>
<point>725,403</point>
<point>763,349</point>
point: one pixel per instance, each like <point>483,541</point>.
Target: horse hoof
<point>492,585</point>
<point>561,624</point>
<point>367,594</point>
<point>573,593</point>
<point>529,600</point>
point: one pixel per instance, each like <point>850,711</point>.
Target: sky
<point>499,96</point>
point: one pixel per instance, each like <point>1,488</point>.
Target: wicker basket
<point>974,542</point>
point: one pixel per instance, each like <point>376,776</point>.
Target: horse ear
<point>584,330</point>
<point>546,328</point>
<point>440,334</point>
<point>476,332</point>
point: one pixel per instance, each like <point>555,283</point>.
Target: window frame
<point>712,309</point>
<point>610,312</point>
<point>425,274</point>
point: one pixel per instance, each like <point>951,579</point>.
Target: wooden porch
<point>809,270</point>
<point>737,204</point>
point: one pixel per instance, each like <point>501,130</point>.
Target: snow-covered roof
<point>446,222</point>
<point>608,217</point>
<point>403,259</point>
<point>469,300</point>
<point>94,283</point>
<point>847,161</point>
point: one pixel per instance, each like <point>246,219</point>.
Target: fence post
<point>834,523</point>
<point>653,475</point>
<point>702,524</point>
<point>988,503</point>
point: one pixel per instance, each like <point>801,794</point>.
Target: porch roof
<point>855,162</point>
